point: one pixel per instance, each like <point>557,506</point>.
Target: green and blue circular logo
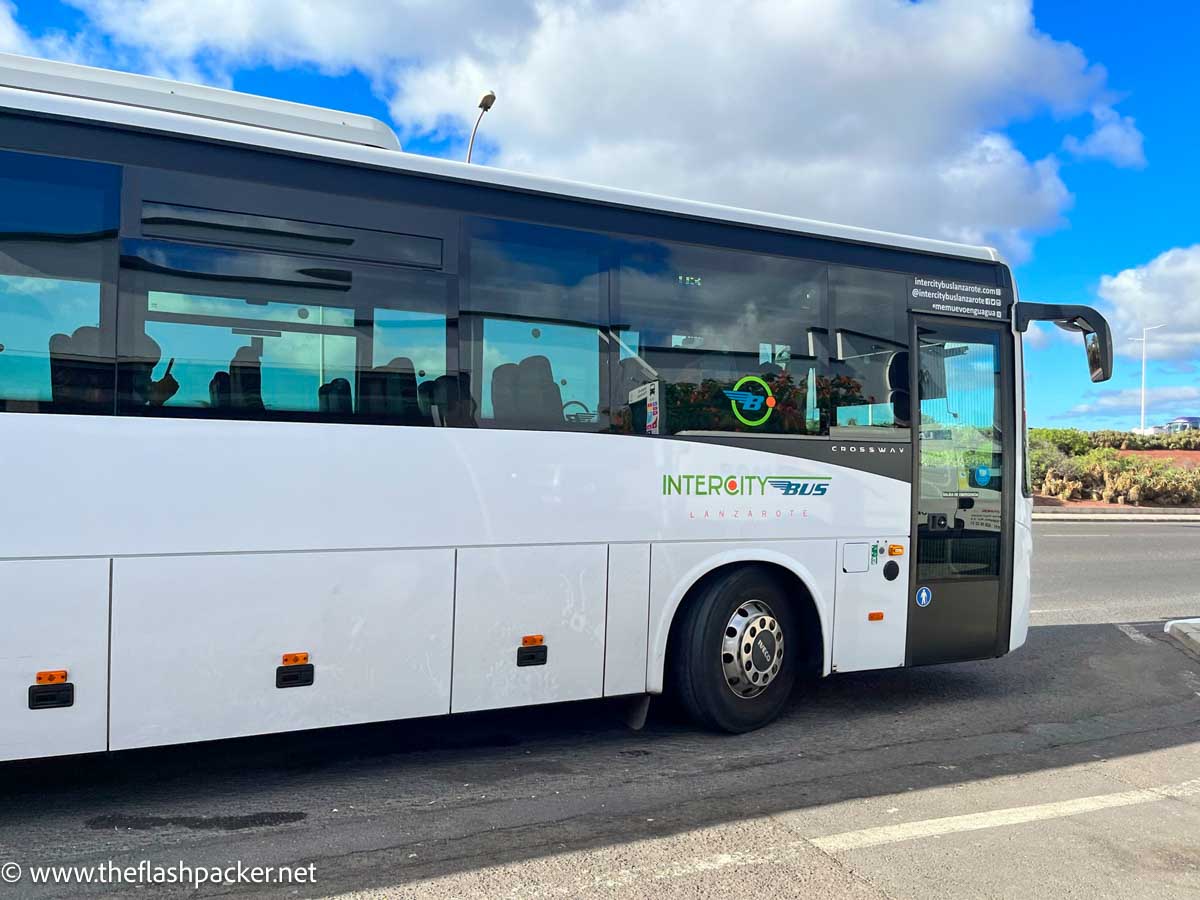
<point>743,401</point>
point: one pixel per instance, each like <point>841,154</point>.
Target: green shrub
<point>1125,440</point>
<point>1070,441</point>
<point>1042,458</point>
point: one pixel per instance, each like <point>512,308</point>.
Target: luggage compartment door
<point>55,619</point>
<point>508,596</point>
<point>198,642</point>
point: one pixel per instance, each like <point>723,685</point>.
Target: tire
<point>702,669</point>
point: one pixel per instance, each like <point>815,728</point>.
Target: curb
<point>1116,510</point>
<point>1186,631</point>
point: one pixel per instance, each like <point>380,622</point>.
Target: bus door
<point>959,603</point>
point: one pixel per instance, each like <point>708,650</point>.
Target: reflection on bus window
<point>52,347</point>
<point>961,455</point>
<point>57,225</point>
<point>729,341</point>
<point>409,348</point>
<point>536,272</point>
<point>244,343</point>
<point>257,363</point>
<point>537,299</point>
<point>540,376</point>
<point>869,377</point>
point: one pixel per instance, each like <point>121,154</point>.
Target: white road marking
<point>652,864</point>
<point>1134,635</point>
<point>1017,815</point>
<point>1061,609</point>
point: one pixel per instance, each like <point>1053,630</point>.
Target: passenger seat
<point>525,395</point>
<point>390,392</point>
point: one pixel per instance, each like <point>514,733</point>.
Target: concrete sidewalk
<point>1186,631</point>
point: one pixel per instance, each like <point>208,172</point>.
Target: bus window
<point>732,341</point>
<point>57,226</point>
<point>242,355</point>
<point>537,302</point>
<point>868,383</point>
<point>235,334</point>
<point>540,375</point>
<point>410,346</point>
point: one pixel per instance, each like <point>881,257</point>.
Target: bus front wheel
<point>735,661</point>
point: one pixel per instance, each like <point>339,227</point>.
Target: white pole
<point>1143,428</point>
<point>1143,339</point>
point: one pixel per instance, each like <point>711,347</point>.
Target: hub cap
<point>752,649</point>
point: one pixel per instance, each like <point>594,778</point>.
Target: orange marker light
<point>875,617</point>
<point>295,659</point>
<point>58,676</point>
<point>895,549</point>
<point>533,640</point>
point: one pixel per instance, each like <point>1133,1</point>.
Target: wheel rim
<point>752,649</point>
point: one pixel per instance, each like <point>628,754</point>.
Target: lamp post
<point>1142,429</point>
<point>485,103</point>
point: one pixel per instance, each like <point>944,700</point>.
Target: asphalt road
<point>1071,767</point>
<point>1115,572</point>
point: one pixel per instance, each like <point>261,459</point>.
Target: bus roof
<point>65,90</point>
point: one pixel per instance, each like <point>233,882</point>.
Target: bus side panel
<point>677,567</point>
<point>1022,572</point>
<point>870,626</point>
<point>55,618</point>
<point>507,594</point>
<point>625,628</point>
<point>198,642</point>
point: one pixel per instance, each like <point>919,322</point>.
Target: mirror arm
<point>1064,315</point>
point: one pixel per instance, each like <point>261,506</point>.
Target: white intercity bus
<point>299,430</point>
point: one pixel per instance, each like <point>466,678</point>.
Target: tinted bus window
<point>869,366</point>
<point>534,316</point>
<point>730,341</point>
<point>58,223</point>
<point>234,334</point>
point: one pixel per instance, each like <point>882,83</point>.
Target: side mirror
<point>1097,339</point>
<point>1095,355</point>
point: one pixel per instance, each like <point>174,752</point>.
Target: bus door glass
<point>955,609</point>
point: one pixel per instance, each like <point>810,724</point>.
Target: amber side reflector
<point>875,617</point>
<point>895,549</point>
<point>58,676</point>
<point>533,640</point>
<point>295,659</point>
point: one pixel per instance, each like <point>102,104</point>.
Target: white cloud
<point>1161,402</point>
<point>53,44</point>
<point>13,39</point>
<point>1040,335</point>
<point>1164,291</point>
<point>215,36</point>
<point>1114,138</point>
<point>883,113</point>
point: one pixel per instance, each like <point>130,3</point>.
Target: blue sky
<point>1121,218</point>
<point>1066,137</point>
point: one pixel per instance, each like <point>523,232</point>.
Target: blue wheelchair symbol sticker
<point>924,597</point>
<point>983,475</point>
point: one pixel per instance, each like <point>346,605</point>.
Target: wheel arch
<point>796,578</point>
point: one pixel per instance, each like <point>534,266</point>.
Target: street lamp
<point>485,103</point>
<point>1143,342</point>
